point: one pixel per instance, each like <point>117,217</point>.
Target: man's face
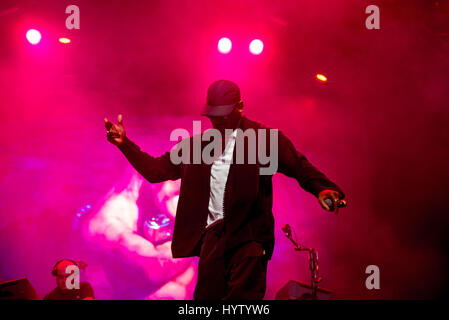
<point>226,122</point>
<point>62,275</point>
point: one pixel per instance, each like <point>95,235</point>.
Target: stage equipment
<point>19,289</point>
<point>297,290</point>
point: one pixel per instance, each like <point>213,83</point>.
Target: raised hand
<point>115,132</point>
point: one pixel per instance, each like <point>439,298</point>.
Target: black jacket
<point>248,195</point>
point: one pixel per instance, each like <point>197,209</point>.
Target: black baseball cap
<point>222,97</point>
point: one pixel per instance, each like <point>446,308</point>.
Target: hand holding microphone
<point>340,204</point>
<point>330,200</point>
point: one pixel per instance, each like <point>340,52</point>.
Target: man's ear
<point>240,106</point>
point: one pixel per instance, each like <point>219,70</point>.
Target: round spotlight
<point>64,40</point>
<point>256,46</point>
<point>321,77</point>
<point>33,36</point>
<point>224,45</point>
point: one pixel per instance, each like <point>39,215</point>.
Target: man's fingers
<point>335,196</point>
<point>111,137</point>
<point>336,205</point>
<point>335,199</point>
<point>324,204</point>
<point>107,123</point>
<point>120,120</point>
<point>112,134</point>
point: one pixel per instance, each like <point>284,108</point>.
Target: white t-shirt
<point>218,177</point>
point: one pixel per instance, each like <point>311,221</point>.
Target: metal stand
<point>313,265</point>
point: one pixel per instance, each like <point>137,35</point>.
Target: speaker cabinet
<point>296,290</point>
<point>19,289</point>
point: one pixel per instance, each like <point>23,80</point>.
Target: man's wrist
<point>124,143</point>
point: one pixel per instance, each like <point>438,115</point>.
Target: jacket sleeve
<point>294,164</point>
<point>153,169</point>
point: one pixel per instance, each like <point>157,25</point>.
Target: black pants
<point>238,273</point>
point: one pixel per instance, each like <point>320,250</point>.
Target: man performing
<point>61,292</point>
<point>224,212</point>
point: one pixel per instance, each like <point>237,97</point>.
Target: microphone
<point>288,233</point>
<point>340,203</point>
<point>287,230</point>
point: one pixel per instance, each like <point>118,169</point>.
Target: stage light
<point>224,45</point>
<point>321,77</point>
<point>256,47</point>
<point>64,40</point>
<point>33,36</point>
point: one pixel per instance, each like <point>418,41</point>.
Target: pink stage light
<point>33,36</point>
<point>224,45</point>
<point>256,46</point>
